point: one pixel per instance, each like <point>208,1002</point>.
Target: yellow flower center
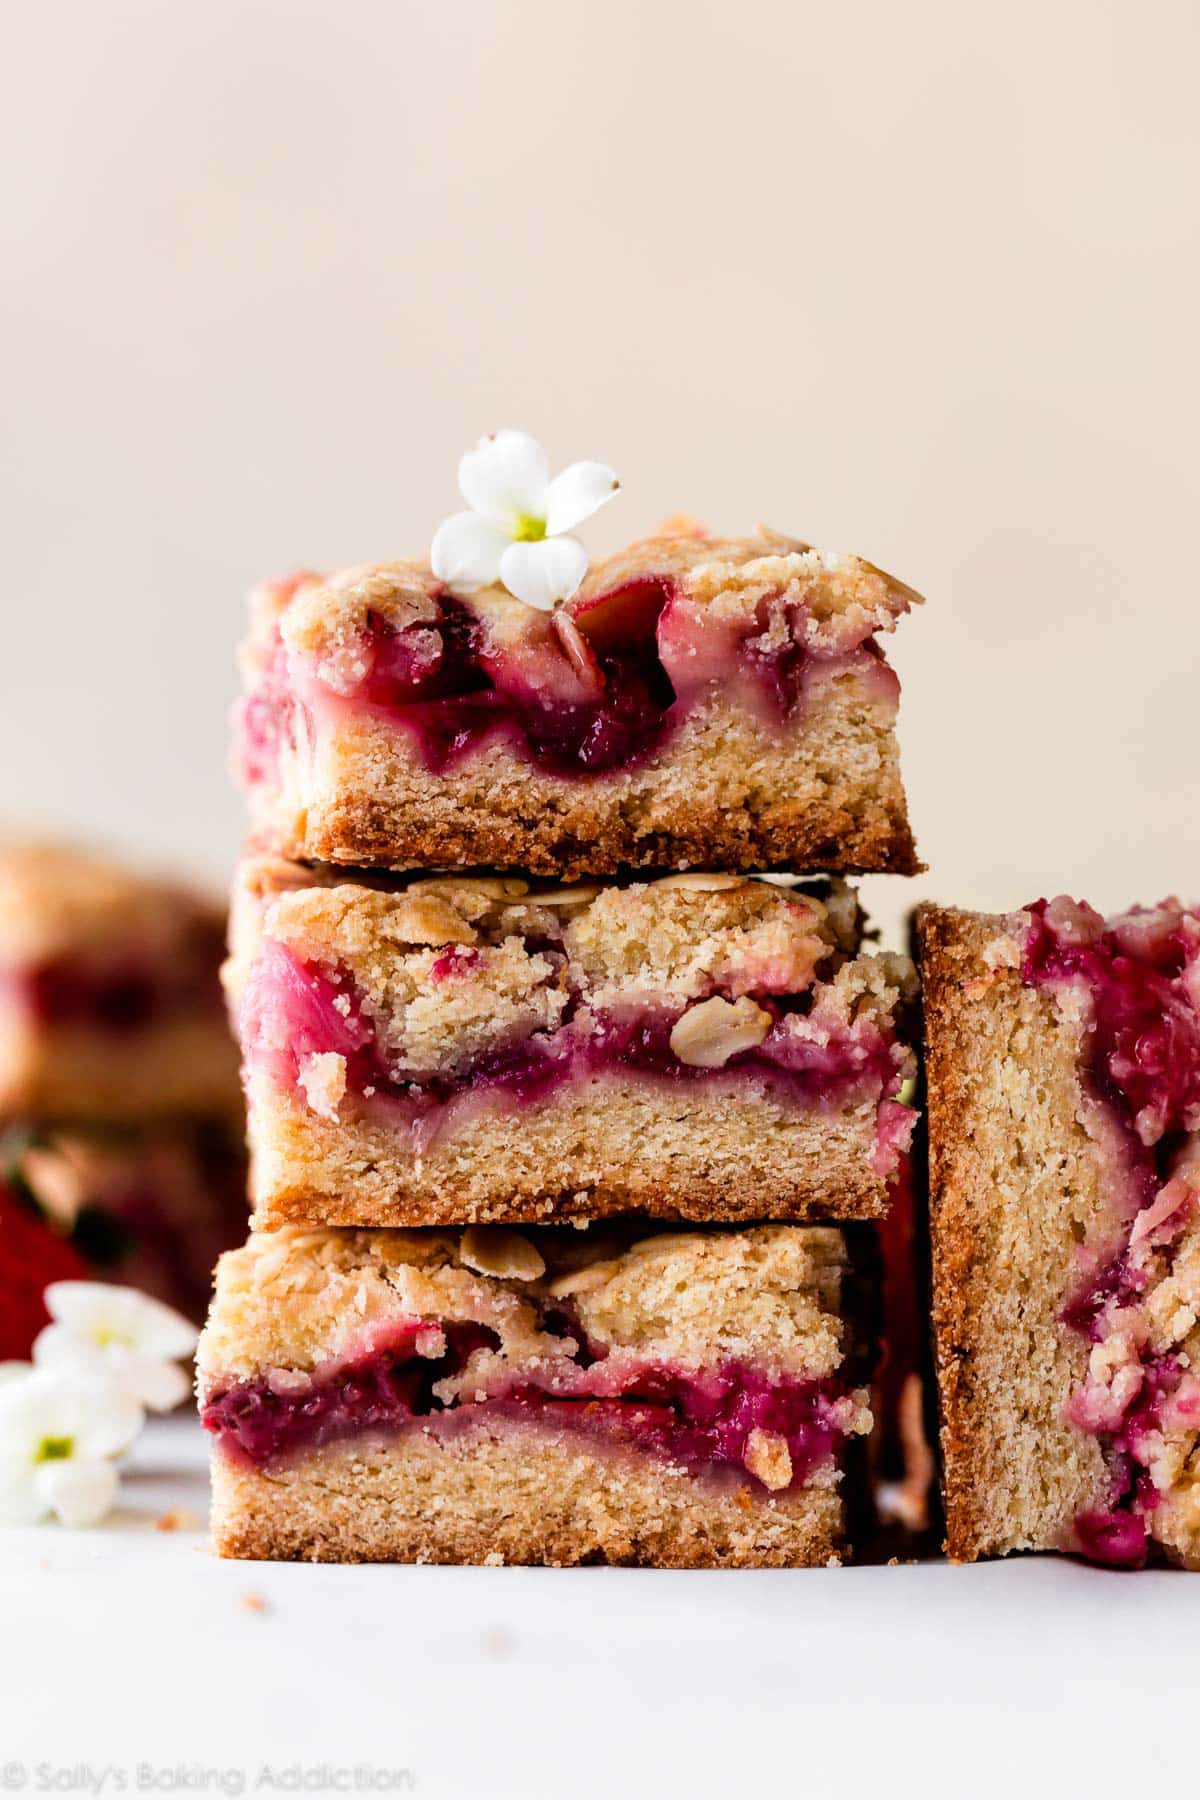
<point>529,530</point>
<point>52,1449</point>
<point>105,1335</point>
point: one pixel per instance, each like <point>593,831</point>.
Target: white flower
<point>117,1334</point>
<point>515,530</point>
<point>57,1438</point>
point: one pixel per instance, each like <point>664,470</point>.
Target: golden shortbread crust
<point>484,1498</point>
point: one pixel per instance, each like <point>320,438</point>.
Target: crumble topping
<point>768,1458</point>
<point>848,598</point>
<point>495,1250</point>
<point>708,1034</point>
<point>323,1078</point>
<point>299,1298</point>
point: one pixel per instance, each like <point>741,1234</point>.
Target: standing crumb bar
<point>683,1401</point>
<point>110,998</point>
<point>458,1050</point>
<point>1063,1060</point>
<point>699,702</point>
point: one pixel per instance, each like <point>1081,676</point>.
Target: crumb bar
<point>701,702</point>
<point>1063,1063</point>
<point>110,998</point>
<point>683,1400</point>
<point>457,1050</point>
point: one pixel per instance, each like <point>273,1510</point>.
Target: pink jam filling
<point>293,1009</point>
<point>1143,1067</point>
<point>121,996</point>
<point>436,682</point>
<point>458,959</point>
<point>601,691</point>
<point>700,1421</point>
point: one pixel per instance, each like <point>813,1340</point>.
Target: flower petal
<point>159,1385</point>
<point>99,1417</point>
<point>505,477</point>
<point>65,1352</point>
<point>79,1489</point>
<point>543,574</point>
<point>95,1417</point>
<point>466,552</point>
<point>155,1382</point>
<point>109,1421</point>
<point>576,494</point>
<point>108,1314</point>
<point>23,1404</point>
<point>20,1502</point>
<point>29,1411</point>
<point>62,1350</point>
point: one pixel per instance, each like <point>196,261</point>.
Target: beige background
<point>918,281</point>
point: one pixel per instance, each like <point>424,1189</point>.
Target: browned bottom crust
<point>507,1497</point>
<point>1014,1179</point>
<point>723,796</point>
<point>607,1147</point>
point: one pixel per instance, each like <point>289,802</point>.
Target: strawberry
<point>31,1257</point>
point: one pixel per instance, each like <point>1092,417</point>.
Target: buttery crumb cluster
<point>563,1172</point>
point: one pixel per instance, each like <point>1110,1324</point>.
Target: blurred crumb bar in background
<point>151,1207</point>
<point>700,702</point>
<point>692,1399</point>
<point>456,1050</point>
<point>121,1121</point>
<point>110,999</point>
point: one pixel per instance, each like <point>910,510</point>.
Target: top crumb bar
<point>711,702</point>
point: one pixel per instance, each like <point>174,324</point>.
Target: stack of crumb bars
<point>569,1158</point>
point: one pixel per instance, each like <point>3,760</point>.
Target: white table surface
<point>132,1661</point>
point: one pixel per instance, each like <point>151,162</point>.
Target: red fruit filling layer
<point>698,1420</point>
<point>1140,975</point>
<point>599,687</point>
<point>120,996</point>
<point>293,1009</point>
